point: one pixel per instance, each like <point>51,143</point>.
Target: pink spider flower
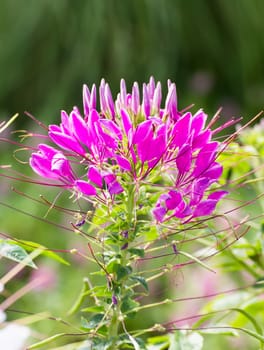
<point>129,139</point>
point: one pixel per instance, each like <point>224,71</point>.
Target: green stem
<point>114,324</point>
<point>116,312</point>
<point>130,204</point>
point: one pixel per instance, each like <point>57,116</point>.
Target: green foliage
<point>15,252</point>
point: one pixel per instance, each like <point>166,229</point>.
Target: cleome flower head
<point>134,140</point>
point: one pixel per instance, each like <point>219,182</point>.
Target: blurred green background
<point>212,49</point>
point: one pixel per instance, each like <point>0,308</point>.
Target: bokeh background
<point>212,49</point>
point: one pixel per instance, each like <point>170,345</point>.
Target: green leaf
<point>158,343</point>
<point>93,309</point>
<point>128,305</point>
<point>30,246</point>
<point>137,251</point>
<point>80,299</point>
<point>122,271</point>
<point>46,341</point>
<point>259,283</point>
<point>183,340</point>
<point>16,253</point>
<point>93,322</point>
<point>140,280</point>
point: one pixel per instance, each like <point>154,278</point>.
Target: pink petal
<point>41,166</point>
<point>218,195</point>
<point>142,131</point>
<point>184,159</point>
<point>182,130</point>
<point>66,142</point>
<point>159,213</point>
<point>80,129</point>
<point>205,158</point>
<point>135,98</point>
<point>198,122</point>
<point>126,121</point>
<point>146,101</point>
<point>86,100</point>
<point>113,185</point>
<point>95,176</point>
<point>205,208</point>
<point>173,201</point>
<point>123,163</point>
<point>85,188</point>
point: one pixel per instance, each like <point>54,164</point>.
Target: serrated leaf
<point>15,253</point>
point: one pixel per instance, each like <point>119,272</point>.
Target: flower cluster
<point>134,140</point>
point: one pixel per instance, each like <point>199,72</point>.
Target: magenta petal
<point>146,101</point>
<point>159,213</point>
<point>151,87</point>
<point>205,208</point>
<point>113,185</point>
<point>173,201</point>
<point>80,128</point>
<point>123,163</point>
<point>200,140</point>
<point>198,188</point>
<point>135,98</point>
<point>48,151</point>
<point>198,122</point>
<point>112,128</point>
<point>123,92</point>
<point>86,100</point>
<point>85,188</point>
<point>217,195</point>
<point>115,188</point>
<point>184,159</point>
<point>142,131</point>
<point>182,211</point>
<point>157,97</point>
<point>95,176</point>
<point>65,124</point>
<point>103,104</point>
<point>214,171</point>
<point>61,166</point>
<point>92,104</point>
<point>41,166</point>
<point>205,158</point>
<point>182,130</point>
<point>55,128</point>
<point>171,105</point>
<point>66,142</point>
<point>126,121</point>
<point>109,101</point>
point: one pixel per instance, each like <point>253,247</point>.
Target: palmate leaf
<point>16,253</point>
